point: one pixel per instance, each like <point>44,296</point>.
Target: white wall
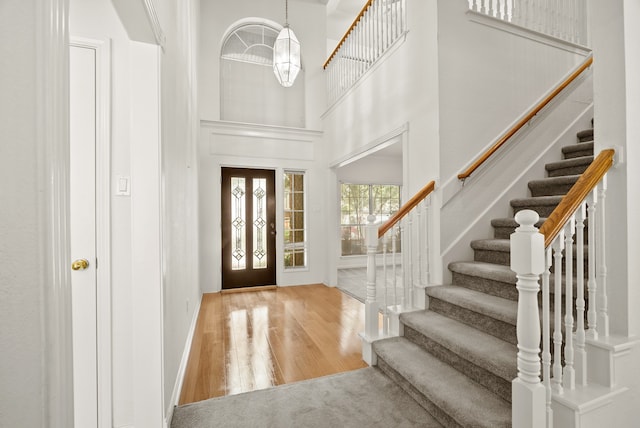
<point>256,146</point>
<point>173,309</point>
<point>617,106</point>
<point>401,93</point>
<point>307,19</point>
<point>22,399</point>
<point>97,19</point>
<point>179,181</point>
<point>488,78</point>
<point>225,144</point>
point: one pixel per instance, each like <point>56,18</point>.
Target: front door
<point>248,227</point>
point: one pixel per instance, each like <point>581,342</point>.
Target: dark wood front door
<point>248,227</point>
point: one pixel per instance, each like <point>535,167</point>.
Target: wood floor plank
<point>254,340</point>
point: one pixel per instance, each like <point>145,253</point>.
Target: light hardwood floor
<point>254,340</point>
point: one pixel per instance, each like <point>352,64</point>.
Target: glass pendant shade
<point>286,57</point>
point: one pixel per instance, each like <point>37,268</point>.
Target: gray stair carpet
<point>458,357</point>
<point>361,398</point>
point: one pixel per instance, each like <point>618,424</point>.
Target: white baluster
<point>510,10</point>
<point>408,286</point>
<point>385,324</point>
<point>470,4</point>
<point>371,304</point>
<point>427,222</point>
<point>580,353</point>
<point>569,375</point>
<point>503,10</point>
<point>486,9</point>
<point>601,269</point>
<point>558,245</point>
<point>378,41</point>
<point>527,261</point>
<point>494,8</point>
<point>546,335</point>
<point>394,250</point>
<point>419,233</point>
<point>592,285</point>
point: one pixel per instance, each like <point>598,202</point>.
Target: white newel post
<point>527,261</point>
<point>371,305</point>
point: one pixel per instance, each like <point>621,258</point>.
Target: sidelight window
<point>295,239</point>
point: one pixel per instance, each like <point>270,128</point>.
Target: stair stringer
<point>612,396</point>
<point>518,164</point>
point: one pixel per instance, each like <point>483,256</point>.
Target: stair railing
<point>535,253</point>
<point>562,19</point>
<point>404,241</point>
<point>376,28</point>
<point>504,138</point>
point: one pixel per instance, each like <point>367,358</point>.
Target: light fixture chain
<point>286,12</point>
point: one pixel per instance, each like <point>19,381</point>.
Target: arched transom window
<point>250,92</point>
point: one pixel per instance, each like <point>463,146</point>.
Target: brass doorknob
<point>80,264</point>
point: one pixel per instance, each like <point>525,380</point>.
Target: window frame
<point>295,246</point>
<point>370,206</point>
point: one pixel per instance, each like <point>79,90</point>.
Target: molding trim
<point>239,129</point>
<point>102,49</point>
<point>499,24</point>
<point>158,33</point>
<point>182,369</point>
<point>52,81</point>
<point>377,144</point>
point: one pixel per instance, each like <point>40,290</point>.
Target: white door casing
<point>89,70</point>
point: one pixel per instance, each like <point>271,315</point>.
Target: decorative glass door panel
<point>248,227</point>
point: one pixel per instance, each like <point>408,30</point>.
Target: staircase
<point>458,357</point>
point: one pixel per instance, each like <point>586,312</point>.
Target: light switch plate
<point>123,186</point>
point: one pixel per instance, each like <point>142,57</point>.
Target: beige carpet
<point>362,398</point>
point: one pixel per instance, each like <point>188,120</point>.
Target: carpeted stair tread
<point>568,166</point>
<point>496,251</point>
<point>585,135</point>
<point>478,347</point>
<point>543,205</point>
<point>502,245</point>
<point>552,186</point>
<point>467,403</point>
<point>484,270</point>
<point>496,307</point>
<point>577,150</point>
<point>504,227</point>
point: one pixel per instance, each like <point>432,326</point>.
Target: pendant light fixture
<point>286,54</point>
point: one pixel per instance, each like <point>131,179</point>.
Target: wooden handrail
<point>406,208</point>
<point>572,200</point>
<point>464,175</point>
<point>353,24</point>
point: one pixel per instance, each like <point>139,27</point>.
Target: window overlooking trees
<point>356,202</point>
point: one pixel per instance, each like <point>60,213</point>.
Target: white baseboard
<point>177,388</point>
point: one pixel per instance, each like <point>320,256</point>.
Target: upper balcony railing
<point>562,19</point>
<point>376,28</point>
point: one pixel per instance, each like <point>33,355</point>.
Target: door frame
<point>102,48</point>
